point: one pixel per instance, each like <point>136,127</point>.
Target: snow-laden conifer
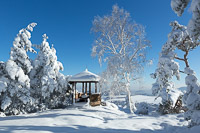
<point>15,92</point>
<point>179,6</point>
<point>49,85</point>
<point>167,66</point>
<point>179,38</point>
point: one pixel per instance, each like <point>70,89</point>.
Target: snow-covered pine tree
<point>178,6</point>
<point>49,85</point>
<point>15,97</point>
<point>192,96</point>
<point>167,67</point>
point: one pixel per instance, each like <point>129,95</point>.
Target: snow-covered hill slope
<point>86,119</point>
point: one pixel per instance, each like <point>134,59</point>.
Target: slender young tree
<point>120,43</point>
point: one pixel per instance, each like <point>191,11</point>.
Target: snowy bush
<point>146,108</point>
<point>142,108</point>
<point>111,106</point>
<point>2,114</point>
<point>169,108</point>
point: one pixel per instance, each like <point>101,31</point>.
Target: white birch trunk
<point>129,101</point>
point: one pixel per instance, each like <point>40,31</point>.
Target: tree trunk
<point>129,101</point>
<point>129,104</point>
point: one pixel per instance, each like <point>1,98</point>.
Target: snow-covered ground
<point>100,119</point>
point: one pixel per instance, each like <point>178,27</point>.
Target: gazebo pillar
<point>95,87</point>
<point>86,88</point>
<point>100,87</point>
<point>83,87</point>
<point>89,88</point>
<point>75,91</point>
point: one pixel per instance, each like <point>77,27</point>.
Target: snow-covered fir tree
<point>49,86</point>
<point>15,89</point>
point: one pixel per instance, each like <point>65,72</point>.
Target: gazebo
<point>85,78</point>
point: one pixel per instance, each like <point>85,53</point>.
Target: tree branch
<point>179,58</point>
<point>181,71</point>
<point>185,59</point>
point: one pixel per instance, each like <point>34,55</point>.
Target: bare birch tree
<point>122,44</point>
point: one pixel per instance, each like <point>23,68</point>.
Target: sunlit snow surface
<point>86,119</point>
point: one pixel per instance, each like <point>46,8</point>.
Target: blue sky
<point>68,24</point>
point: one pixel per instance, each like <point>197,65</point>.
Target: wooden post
<point>90,89</point>
<point>83,87</point>
<point>75,91</point>
<point>72,98</point>
<point>100,88</point>
<point>95,87</point>
<point>86,88</point>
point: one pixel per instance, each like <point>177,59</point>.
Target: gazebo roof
<point>85,76</point>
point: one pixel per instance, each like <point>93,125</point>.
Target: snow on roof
<point>84,76</point>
